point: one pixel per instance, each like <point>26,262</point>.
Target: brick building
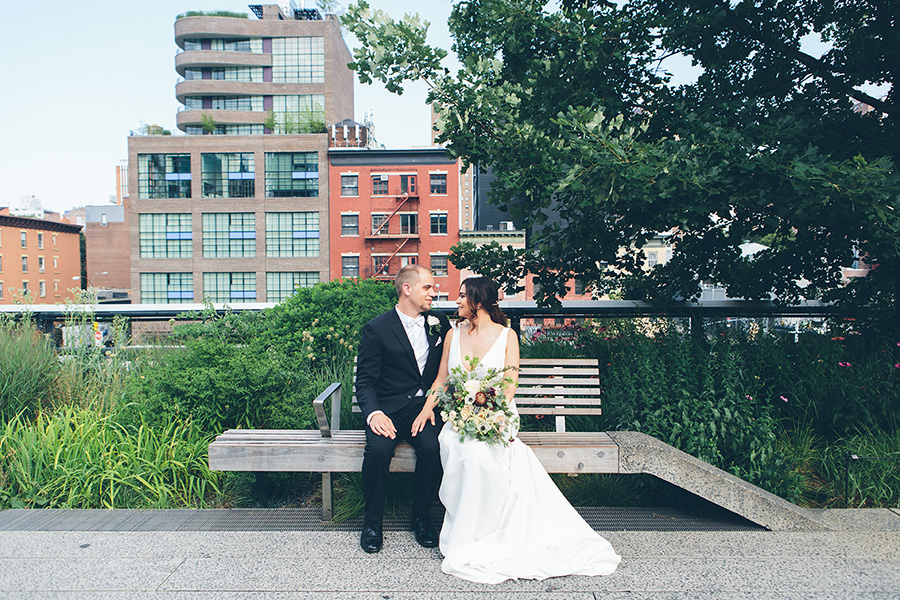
<point>390,208</point>
<point>42,258</point>
<point>237,209</point>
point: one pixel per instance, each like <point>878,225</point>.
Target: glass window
<point>40,241</point>
<point>1,290</point>
<point>349,224</point>
<point>164,175</point>
<point>381,265</point>
<point>379,224</point>
<point>229,287</point>
<point>299,114</point>
<point>245,103</point>
<point>40,264</point>
<point>379,185</point>
<point>281,285</point>
<point>167,288</point>
<point>55,263</point>
<point>104,221</point>
<point>229,235</point>
<point>192,74</point>
<point>349,266</point>
<point>349,185</point>
<point>294,234</point>
<point>292,174</point>
<point>228,175</point>
<point>438,184</point>
<point>24,238</point>
<point>408,184</point>
<point>409,224</point>
<point>652,259</point>
<point>42,289</point>
<point>166,235</point>
<point>24,264</point>
<point>578,286</point>
<point>193,45</point>
<point>298,60</point>
<point>438,223</point>
<point>439,265</point>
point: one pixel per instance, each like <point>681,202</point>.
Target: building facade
<point>39,258</point>
<point>107,240</point>
<point>391,208</point>
<point>237,209</point>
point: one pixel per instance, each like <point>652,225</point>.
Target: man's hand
<point>382,425</point>
<point>419,424</point>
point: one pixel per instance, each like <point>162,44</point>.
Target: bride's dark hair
<point>483,292</point>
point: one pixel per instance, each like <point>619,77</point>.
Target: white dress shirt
<point>415,332</point>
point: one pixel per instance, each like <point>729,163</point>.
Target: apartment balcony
<point>221,117</point>
<point>219,58</point>
<point>392,233</point>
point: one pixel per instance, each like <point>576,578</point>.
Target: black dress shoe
<point>425,533</point>
<point>371,539</point>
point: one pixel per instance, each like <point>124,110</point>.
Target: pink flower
<point>748,396</point>
<point>897,365</point>
<point>838,338</point>
<point>783,398</point>
<point>844,364</point>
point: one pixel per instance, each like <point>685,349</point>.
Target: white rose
<point>472,386</point>
<point>433,321</point>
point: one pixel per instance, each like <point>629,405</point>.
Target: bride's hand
<point>419,424</point>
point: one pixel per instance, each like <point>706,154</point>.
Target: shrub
<point>219,385</point>
<point>323,322</point>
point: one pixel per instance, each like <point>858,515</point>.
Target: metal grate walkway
<point>309,519</point>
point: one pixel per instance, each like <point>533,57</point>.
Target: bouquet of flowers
<point>475,406</point>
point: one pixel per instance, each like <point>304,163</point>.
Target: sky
<point>79,77</point>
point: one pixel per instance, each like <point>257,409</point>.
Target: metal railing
<point>516,310</point>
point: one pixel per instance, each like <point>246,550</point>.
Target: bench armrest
<point>333,391</point>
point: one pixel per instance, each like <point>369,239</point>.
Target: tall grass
<point>78,458</point>
<point>28,369</point>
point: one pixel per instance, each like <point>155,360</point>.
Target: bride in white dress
<point>505,518</point>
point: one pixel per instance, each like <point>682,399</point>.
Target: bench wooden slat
<point>557,381</point>
<point>548,371</point>
<point>247,450</point>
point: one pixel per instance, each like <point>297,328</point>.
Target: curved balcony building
<point>284,71</point>
<point>237,209</point>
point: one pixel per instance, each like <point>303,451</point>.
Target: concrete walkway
<point>859,558</point>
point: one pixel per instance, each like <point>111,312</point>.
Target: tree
<point>577,118</point>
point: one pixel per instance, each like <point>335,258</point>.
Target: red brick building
<point>390,208</point>
<point>42,258</point>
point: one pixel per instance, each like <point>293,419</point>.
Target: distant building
<point>40,258</point>
<point>107,237</point>
<point>391,208</point>
<point>237,209</point>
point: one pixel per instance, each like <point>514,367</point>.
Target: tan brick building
<point>237,209</point>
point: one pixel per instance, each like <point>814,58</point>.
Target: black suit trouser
<point>377,461</point>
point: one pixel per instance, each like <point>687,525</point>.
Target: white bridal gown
<point>505,517</point>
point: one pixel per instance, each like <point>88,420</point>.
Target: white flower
<point>472,386</point>
<point>433,321</point>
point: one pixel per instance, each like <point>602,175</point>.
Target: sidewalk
<point>861,560</point>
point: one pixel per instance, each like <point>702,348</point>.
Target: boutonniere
<point>433,322</point>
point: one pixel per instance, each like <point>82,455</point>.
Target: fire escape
<point>398,235</point>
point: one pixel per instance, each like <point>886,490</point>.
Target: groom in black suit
<point>399,355</point>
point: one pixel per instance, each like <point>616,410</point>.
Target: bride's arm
<point>512,360</point>
<point>427,412</point>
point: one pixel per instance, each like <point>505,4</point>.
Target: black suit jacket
<point>387,375</point>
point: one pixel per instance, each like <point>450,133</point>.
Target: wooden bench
<point>557,387</point>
